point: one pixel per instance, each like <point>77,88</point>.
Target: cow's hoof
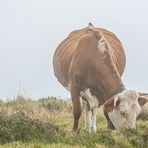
<point>93,129</point>
<point>76,130</point>
<point>87,129</point>
<point>110,126</point>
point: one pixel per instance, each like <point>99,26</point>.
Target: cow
<point>89,63</point>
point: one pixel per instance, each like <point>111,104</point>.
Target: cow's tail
<point>93,30</point>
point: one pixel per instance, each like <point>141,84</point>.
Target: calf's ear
<point>142,100</point>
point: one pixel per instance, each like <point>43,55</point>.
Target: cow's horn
<point>143,94</point>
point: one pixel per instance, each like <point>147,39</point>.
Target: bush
<point>54,104</point>
<point>144,113</point>
<point>21,127</point>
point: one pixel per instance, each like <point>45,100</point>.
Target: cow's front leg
<point>93,119</point>
<point>88,115</point>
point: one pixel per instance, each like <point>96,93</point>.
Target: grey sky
<point>30,30</point>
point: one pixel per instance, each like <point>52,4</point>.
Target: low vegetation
<point>47,122</point>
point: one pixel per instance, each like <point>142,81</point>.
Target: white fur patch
<point>87,118</point>
<point>124,115</point>
<point>102,45</point>
<point>90,118</point>
<point>90,114</point>
<point>93,120</point>
<point>117,120</point>
<point>92,100</point>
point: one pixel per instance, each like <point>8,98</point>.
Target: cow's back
<point>65,51</point>
<point>63,55</point>
<point>117,50</point>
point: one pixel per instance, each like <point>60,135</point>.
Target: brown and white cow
<point>90,63</point>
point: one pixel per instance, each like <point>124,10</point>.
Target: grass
<point>48,123</point>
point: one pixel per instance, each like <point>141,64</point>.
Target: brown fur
<point>78,62</point>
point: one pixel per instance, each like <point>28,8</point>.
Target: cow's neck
<point>110,88</point>
<point>110,82</point>
<point>119,90</point>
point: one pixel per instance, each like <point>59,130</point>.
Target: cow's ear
<point>116,100</point>
<point>111,103</point>
<point>142,100</point>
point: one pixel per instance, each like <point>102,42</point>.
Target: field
<point>47,123</point>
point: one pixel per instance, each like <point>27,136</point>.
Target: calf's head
<point>124,108</point>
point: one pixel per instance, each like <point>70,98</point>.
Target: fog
<point>30,31</point>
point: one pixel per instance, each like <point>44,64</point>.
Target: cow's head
<point>124,108</point>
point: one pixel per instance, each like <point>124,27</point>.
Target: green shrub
<point>54,104</point>
<point>21,127</point>
<point>144,113</point>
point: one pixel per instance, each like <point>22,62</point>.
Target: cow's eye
<point>122,113</point>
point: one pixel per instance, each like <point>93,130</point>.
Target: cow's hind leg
<point>75,95</point>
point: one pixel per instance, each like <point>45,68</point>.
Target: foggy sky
<point>30,31</point>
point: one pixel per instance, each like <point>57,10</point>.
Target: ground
<point>47,123</point>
